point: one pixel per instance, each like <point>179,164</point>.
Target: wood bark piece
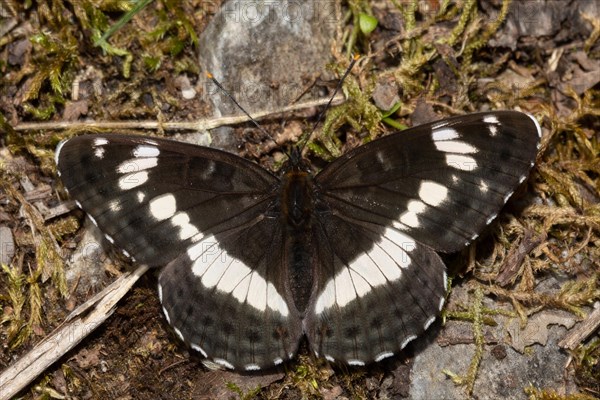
<point>201,124</point>
<point>582,331</point>
<point>76,327</point>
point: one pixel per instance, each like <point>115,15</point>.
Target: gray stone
<point>503,372</point>
<point>7,245</point>
<point>265,53</point>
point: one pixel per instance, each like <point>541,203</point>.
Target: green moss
<point>476,313</point>
<point>540,394</point>
<point>17,330</point>
<point>587,366</point>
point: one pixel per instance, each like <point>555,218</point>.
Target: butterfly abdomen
<point>297,214</point>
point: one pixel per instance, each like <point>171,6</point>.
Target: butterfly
<point>347,257</point>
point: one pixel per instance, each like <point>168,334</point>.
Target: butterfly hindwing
<point>377,290</point>
<point>227,298</point>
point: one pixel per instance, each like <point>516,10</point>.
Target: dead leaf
<point>536,330</point>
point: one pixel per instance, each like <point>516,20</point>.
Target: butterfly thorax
<point>297,203</point>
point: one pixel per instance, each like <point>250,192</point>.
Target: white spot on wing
<point>538,128</point>
<point>160,292</point>
<point>483,186</point>
<point>432,193</point>
<point>187,230</point>
<point>199,349</point>
<point>429,322</point>
<point>233,275</point>
<point>257,292</point>
<point>58,150</point>
<point>444,134</point>
<point>327,297</point>
<point>141,196</point>
<point>411,216</point>
<point>146,151</point>
<point>216,268</point>
<point>344,288</point>
<point>224,363</point>
<point>134,180</point>
<point>92,219</point>
<point>407,340</point>
<point>464,163</point>
<point>99,152</point>
<point>241,290</point>
<point>383,263</point>
<point>251,367</point>
<point>179,334</point>
<point>100,142</point>
<point>490,218</point>
<point>368,265</point>
<point>361,286</point>
<point>357,363</point>
<point>114,205</point>
<point>137,164</point>
<point>166,315</point>
<point>200,248</point>
<point>278,361</point>
<point>491,119</point>
<point>382,355</point>
<point>455,146</point>
<point>163,207</point>
<point>396,245</point>
<point>329,358</point>
<point>212,273</point>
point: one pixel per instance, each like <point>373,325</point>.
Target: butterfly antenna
<point>337,89</point>
<point>216,82</point>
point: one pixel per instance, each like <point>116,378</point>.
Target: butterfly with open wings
<point>253,261</point>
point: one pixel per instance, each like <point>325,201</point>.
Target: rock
<point>265,54</point>
<point>7,245</point>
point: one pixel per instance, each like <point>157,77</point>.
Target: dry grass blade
<point>64,338</point>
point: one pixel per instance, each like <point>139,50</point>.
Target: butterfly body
<point>254,262</point>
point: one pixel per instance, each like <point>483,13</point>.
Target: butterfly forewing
<point>347,258</point>
<point>440,183</point>
<point>154,198</point>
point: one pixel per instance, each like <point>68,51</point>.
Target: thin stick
<point>202,124</point>
<point>582,331</point>
<point>65,337</point>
